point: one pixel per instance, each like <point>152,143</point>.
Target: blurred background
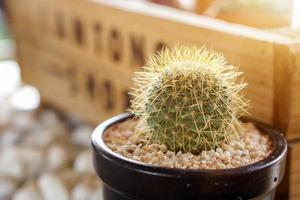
<point>43,154</point>
<point>55,88</point>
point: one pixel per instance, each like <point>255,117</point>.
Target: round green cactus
<point>188,98</point>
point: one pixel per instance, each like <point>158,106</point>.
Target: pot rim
<point>279,150</point>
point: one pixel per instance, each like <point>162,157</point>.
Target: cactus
<point>188,98</point>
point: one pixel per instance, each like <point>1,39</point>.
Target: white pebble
<point>84,162</point>
<point>238,153</point>
<point>39,137</point>
<point>236,163</point>
<point>226,156</point>
<point>227,153</point>
<point>219,150</point>
<point>81,192</point>
<point>230,150</point>
<point>82,136</point>
<point>7,188</point>
<point>52,187</point>
<point>220,165</point>
<point>211,152</point>
<point>33,161</point>
<point>23,120</point>
<point>9,138</point>
<point>49,118</point>
<point>57,157</point>
<point>245,152</point>
<point>248,141</point>
<point>217,155</point>
<point>239,145</point>
<point>27,193</point>
<point>11,164</point>
<point>6,112</point>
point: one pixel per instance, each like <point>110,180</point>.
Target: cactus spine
<point>188,98</point>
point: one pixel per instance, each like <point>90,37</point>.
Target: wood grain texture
<point>291,182</point>
<point>294,88</point>
<point>294,186</point>
<point>295,197</point>
<point>294,151</point>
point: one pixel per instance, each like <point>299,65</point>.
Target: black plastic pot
<point>125,179</point>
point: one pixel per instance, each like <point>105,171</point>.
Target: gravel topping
<point>248,147</point>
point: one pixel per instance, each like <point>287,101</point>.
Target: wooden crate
<point>81,54</point>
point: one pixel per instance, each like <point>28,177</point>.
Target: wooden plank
<point>256,17</point>
<point>294,151</point>
<point>293,171</point>
<point>288,113</point>
<point>282,73</point>
<point>295,197</point>
<point>294,124</point>
<point>290,184</point>
<point>295,186</point>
